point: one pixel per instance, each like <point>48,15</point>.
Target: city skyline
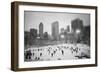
<point>40,31</point>
<point>33,19</point>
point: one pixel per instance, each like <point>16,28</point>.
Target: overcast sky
<point>33,19</point>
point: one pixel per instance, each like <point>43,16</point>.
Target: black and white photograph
<point>53,36</point>
<point>56,36</point>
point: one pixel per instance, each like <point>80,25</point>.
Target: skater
<point>35,58</point>
<point>30,54</point>
<point>38,58</point>
<point>40,54</point>
<point>54,52</point>
<point>51,54</point>
<point>26,57</point>
<point>62,52</point>
<point>33,53</point>
<point>72,50</point>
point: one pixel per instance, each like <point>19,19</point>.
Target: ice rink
<point>57,52</point>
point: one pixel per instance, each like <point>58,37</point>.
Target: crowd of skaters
<point>57,52</point>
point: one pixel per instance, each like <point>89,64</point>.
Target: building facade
<point>77,24</point>
<point>26,38</point>
<point>55,30</point>
<point>33,36</point>
<point>68,28</point>
<point>41,30</point>
<point>77,28</point>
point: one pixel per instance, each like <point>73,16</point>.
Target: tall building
<point>33,36</point>
<point>41,30</point>
<point>78,28</point>
<point>68,28</point>
<point>55,30</point>
<point>46,35</point>
<point>26,37</point>
<point>86,35</point>
<point>77,24</point>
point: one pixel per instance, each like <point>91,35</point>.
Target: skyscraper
<point>26,37</point>
<point>46,35</point>
<point>41,30</point>
<point>77,24</point>
<point>77,28</point>
<point>68,28</point>
<point>33,36</point>
<point>55,30</point>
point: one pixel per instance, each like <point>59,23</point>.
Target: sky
<point>33,19</point>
